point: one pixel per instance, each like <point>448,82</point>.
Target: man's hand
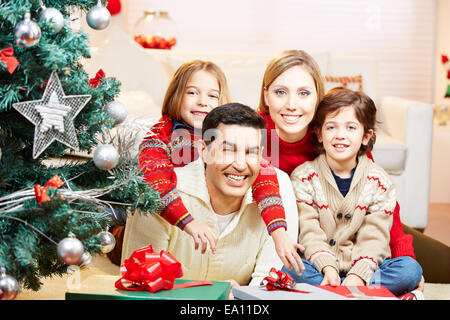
<point>203,234</point>
<point>287,250</point>
<point>330,277</point>
<point>353,280</point>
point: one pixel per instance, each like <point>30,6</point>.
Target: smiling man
<point>216,189</point>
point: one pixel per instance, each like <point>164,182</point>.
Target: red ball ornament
<point>444,58</point>
<point>114,6</point>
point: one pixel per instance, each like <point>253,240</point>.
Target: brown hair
<point>175,91</point>
<point>337,98</point>
<point>282,62</point>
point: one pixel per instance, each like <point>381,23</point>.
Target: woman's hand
<point>330,277</point>
<point>287,250</point>
<point>203,234</point>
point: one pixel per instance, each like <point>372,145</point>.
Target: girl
<point>346,202</point>
<point>196,88</point>
<point>291,89</point>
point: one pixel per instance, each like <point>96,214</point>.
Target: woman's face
<point>201,95</point>
<point>292,100</point>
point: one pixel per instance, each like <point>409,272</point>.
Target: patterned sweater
<point>349,233</point>
<point>163,149</point>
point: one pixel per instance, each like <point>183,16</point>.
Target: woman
<point>291,89</point>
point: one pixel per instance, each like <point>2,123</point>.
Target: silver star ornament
<point>53,116</point>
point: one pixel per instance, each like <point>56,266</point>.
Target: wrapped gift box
<point>261,293</point>
<point>101,287</point>
<point>362,292</point>
<point>314,293</point>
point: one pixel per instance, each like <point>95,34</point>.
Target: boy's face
<point>200,96</point>
<point>232,160</point>
<point>342,135</point>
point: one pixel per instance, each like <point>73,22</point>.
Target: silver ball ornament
<point>52,17</point>
<point>85,260</point>
<point>98,17</point>
<point>9,287</point>
<point>107,241</point>
<point>27,32</point>
<point>106,157</point>
<point>70,249</point>
<point>117,111</point>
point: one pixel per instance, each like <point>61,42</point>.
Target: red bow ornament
<point>279,280</point>
<point>6,55</point>
<point>147,270</point>
<point>99,76</point>
<point>41,193</point>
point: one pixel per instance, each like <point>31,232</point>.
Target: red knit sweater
<point>161,151</point>
<point>291,155</point>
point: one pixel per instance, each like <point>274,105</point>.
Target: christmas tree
<point>49,106</point>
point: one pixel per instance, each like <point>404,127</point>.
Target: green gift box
<point>101,287</point>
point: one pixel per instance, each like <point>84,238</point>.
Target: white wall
<point>400,34</point>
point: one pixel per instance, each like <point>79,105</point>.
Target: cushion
<point>349,65</point>
<point>389,153</point>
<point>350,82</point>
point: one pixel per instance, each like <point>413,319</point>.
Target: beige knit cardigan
<point>349,233</point>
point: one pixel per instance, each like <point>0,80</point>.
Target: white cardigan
<point>244,252</point>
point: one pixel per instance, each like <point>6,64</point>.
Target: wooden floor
<point>439,222</point>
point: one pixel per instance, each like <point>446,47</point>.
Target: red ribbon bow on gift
<point>6,55</point>
<point>279,280</point>
<point>151,271</point>
<point>41,193</point>
<point>94,82</point>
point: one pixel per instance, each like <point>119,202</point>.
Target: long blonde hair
<point>175,91</point>
<point>285,60</point>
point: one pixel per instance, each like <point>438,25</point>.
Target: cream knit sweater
<point>245,251</point>
<point>350,234</point>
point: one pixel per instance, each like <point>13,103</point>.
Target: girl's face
<point>201,95</point>
<point>342,135</point>
<point>292,100</point>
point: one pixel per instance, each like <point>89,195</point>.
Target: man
<point>216,189</point>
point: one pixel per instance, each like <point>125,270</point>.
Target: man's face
<point>232,160</point>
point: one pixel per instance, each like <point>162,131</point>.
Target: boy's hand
<point>233,284</point>
<point>330,277</point>
<point>203,234</point>
<point>287,250</point>
<point>353,280</point>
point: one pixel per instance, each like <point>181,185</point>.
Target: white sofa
<point>403,146</point>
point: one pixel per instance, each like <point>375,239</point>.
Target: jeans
<point>399,275</point>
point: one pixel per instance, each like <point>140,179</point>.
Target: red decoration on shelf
<point>147,270</point>
<point>94,82</point>
<point>444,58</point>
<point>6,55</point>
<point>41,193</point>
<point>279,280</point>
<point>155,42</point>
